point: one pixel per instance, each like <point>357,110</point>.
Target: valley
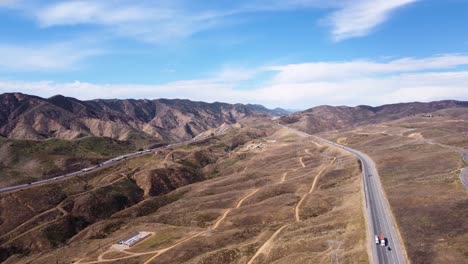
<point>262,206</point>
<point>233,132</point>
<point>257,190</point>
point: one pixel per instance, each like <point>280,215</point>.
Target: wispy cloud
<point>358,18</point>
<point>162,21</point>
<point>57,56</point>
<point>146,21</point>
<point>406,79</point>
<point>338,71</point>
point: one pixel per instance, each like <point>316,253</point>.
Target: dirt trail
<point>283,177</point>
<point>302,163</point>
<point>167,156</point>
<point>316,144</point>
<point>215,226</point>
<point>463,172</point>
<point>59,207</point>
<point>101,258</point>
<point>221,219</point>
<point>266,247</point>
<point>159,252</point>
<point>298,206</point>
<point>25,223</point>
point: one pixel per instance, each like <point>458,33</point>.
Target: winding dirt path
<point>266,247</point>
<point>298,206</point>
<point>302,163</point>
<point>221,219</point>
<point>215,226</point>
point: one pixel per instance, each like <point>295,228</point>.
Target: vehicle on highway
<point>86,169</point>
<point>383,240</point>
<point>377,241</point>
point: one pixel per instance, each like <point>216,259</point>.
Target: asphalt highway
<point>106,163</point>
<point>380,219</point>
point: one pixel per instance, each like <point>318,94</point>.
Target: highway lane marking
<point>374,211</point>
<point>386,214</point>
<point>363,157</point>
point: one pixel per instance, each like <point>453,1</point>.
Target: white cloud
<point>56,56</point>
<point>85,12</point>
<point>320,71</point>
<point>150,22</point>
<point>406,79</point>
<point>358,18</point>
<point>162,21</point>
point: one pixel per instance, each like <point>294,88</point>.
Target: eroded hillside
<point>256,195</point>
<point>30,117</point>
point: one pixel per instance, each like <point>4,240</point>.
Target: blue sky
<point>292,54</point>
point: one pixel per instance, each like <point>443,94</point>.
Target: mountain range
<point>30,117</point>
<point>327,118</point>
<point>167,120</point>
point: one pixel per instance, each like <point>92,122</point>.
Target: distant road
<point>380,219</point>
<point>464,177</point>
<point>106,163</point>
<point>464,172</point>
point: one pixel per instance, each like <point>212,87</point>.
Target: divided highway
<point>378,214</point>
<point>107,163</point>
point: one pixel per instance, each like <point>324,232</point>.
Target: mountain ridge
<point>326,118</point>
<point>32,117</point>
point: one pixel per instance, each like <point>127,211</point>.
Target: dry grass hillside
<point>256,195</point>
<point>419,159</point>
<point>23,161</point>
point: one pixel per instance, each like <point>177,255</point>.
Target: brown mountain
<point>326,118</point>
<point>30,117</point>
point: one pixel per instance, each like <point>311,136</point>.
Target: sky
<point>294,54</point>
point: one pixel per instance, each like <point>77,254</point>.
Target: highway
<point>107,163</point>
<point>377,209</point>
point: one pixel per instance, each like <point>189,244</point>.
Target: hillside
<point>23,161</point>
<point>327,118</point>
<point>244,197</point>
<point>30,117</point>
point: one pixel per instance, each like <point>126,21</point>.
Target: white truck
<point>380,240</point>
